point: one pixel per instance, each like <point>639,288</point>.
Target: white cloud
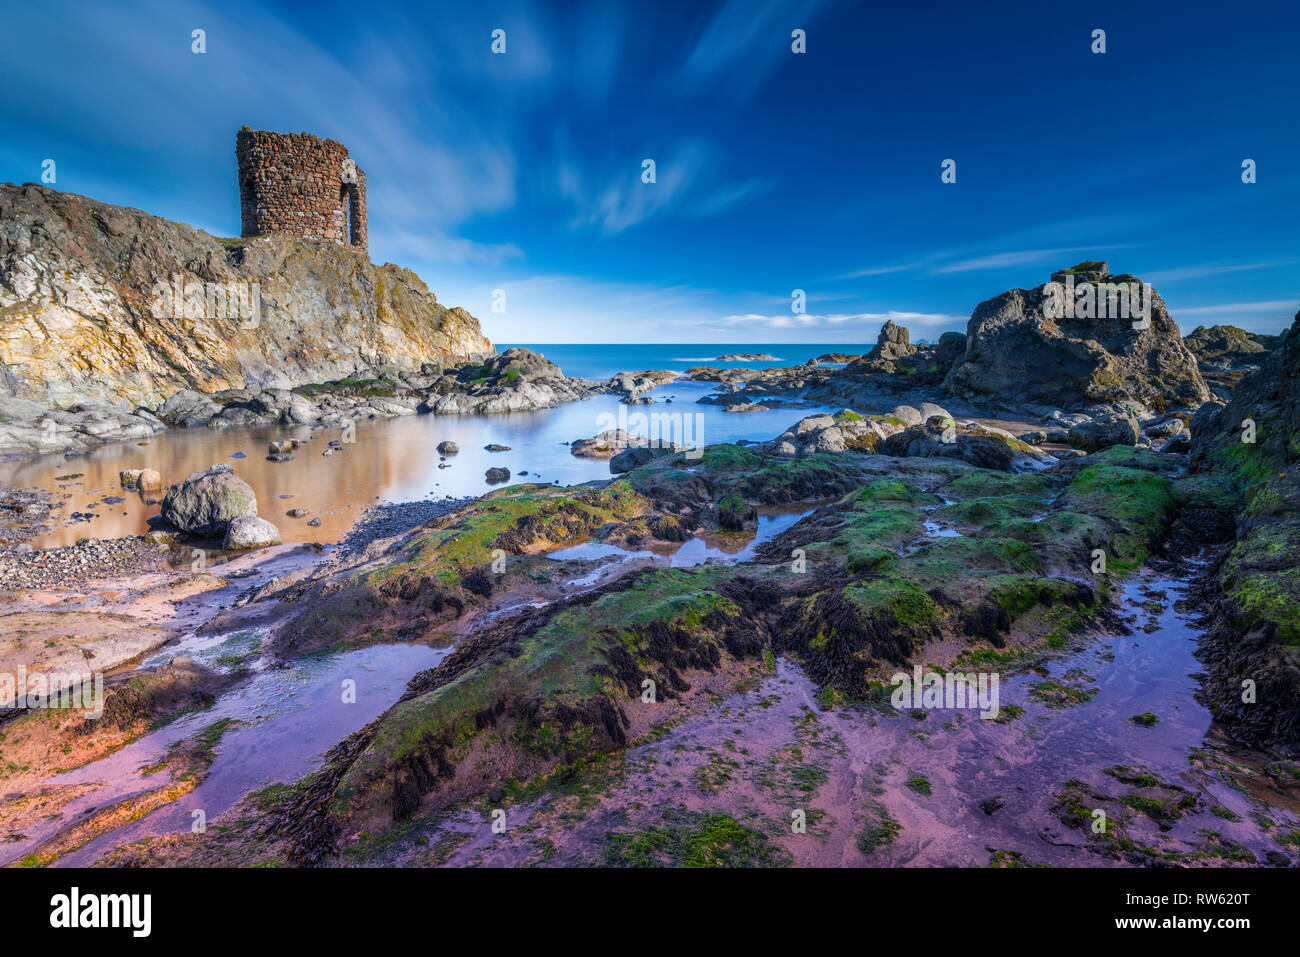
<point>1201,272</point>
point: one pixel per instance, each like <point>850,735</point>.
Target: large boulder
<point>1021,348</point>
<point>188,409</point>
<point>249,531</point>
<point>951,347</point>
<point>844,431</point>
<point>206,502</point>
<point>1118,428</point>
<point>940,436</point>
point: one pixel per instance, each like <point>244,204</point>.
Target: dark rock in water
<point>297,513</point>
<point>496,475</point>
<point>314,523</point>
<point>280,457</point>
<point>493,447</point>
<point>1020,351</point>
<point>994,804</point>
<point>206,502</point>
<point>237,455</point>
<point>735,514</point>
<point>448,448</point>
<point>668,529</point>
<point>629,459</point>
<point>1104,431</point>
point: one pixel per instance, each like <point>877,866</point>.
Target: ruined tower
<point>302,185</point>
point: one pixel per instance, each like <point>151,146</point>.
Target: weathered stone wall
<point>301,185</point>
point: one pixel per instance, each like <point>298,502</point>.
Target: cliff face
<point>1255,625</point>
<point>108,304</point>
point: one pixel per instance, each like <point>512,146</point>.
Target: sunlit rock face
<point>101,303</point>
<point>1074,341</point>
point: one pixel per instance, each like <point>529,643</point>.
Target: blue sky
<point>775,171</point>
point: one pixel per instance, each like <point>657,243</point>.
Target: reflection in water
<point>288,718</point>
<point>391,460</point>
<point>726,547</point>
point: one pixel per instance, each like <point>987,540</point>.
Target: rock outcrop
<point>1228,347</point>
<point>1019,352</point>
<point>89,309</point>
<point>517,380</point>
<point>894,342</point>
<point>1252,650</point>
<point>207,502</point>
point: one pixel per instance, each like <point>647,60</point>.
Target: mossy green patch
<point>692,839</point>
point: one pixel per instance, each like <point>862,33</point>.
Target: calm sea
<point>600,361</point>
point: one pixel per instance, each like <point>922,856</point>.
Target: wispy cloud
<point>745,42</point>
<point>1244,308</point>
<point>842,323</point>
<point>436,246</point>
<point>1202,272</point>
<point>1022,257</point>
<point>879,271</point>
<point>689,179</point>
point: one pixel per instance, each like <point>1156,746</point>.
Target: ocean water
<point>396,460</point>
<point>600,361</point>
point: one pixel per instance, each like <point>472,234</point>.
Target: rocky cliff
<point>1045,346</point>
<point>101,303</point>
<point>1252,649</point>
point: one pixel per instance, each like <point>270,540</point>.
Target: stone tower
<point>302,185</point>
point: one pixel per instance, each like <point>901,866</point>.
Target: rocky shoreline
<point>583,624</point>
